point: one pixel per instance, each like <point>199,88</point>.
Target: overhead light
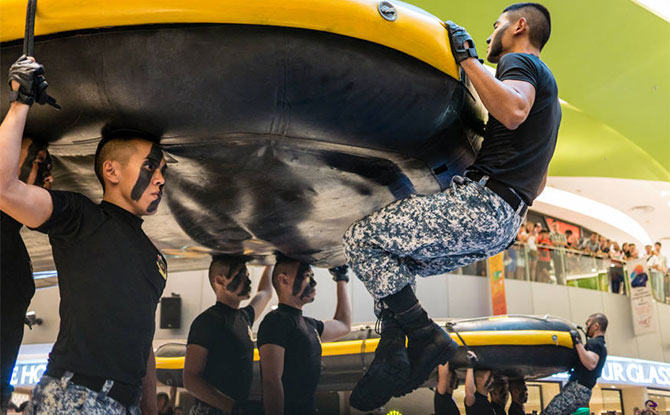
<point>642,209</point>
<point>596,210</point>
<point>660,8</point>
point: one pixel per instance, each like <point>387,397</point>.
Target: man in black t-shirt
<point>110,275</point>
<point>519,394</point>
<point>499,395</point>
<point>219,358</point>
<point>18,286</point>
<point>447,382</point>
<point>477,387</point>
<point>290,344</point>
<point>478,215</point>
<point>584,376</point>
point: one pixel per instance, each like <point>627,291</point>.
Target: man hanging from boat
<point>476,217</point>
<point>584,376</point>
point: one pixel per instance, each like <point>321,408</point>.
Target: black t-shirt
<point>110,277</point>
<point>519,158</point>
<point>498,409</point>
<point>226,334</point>
<point>445,404</point>
<point>515,409</point>
<point>586,377</point>
<point>480,407</point>
<point>300,338</point>
<point>16,272</point>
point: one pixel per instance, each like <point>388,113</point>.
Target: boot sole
<point>381,391</point>
<point>418,378</point>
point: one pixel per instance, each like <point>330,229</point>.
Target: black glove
<point>248,408</point>
<point>32,83</point>
<point>472,359</point>
<point>576,338</point>
<point>457,38</point>
<point>339,273</point>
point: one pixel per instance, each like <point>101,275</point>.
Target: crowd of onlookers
<point>649,408</point>
<point>547,254</point>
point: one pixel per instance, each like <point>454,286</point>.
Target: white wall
<point>445,296</point>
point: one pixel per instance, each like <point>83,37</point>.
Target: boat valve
<point>387,10</point>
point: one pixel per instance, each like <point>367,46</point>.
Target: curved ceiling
<point>611,59</point>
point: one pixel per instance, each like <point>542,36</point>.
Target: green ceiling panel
<point>611,59</point>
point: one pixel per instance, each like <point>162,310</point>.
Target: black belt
<point>126,395</point>
<point>501,190</point>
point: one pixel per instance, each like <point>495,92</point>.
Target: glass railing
<point>553,265</point>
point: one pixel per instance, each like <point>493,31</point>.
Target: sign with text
<point>626,371</point>
<point>497,282</point>
<point>28,373</point>
<point>641,298</point>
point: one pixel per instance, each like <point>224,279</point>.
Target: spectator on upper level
<point>572,239</point>
<point>605,245</point>
<point>648,252</point>
<point>543,267</point>
<point>532,250</point>
<point>559,240</point>
<point>616,269</point>
<point>625,249</point>
<point>590,245</point>
<point>633,252</point>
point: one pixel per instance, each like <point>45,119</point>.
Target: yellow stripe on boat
<point>472,338</point>
<point>417,34</point>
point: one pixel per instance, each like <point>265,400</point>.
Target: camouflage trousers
<point>573,396</point>
<point>201,408</point>
<point>54,396</point>
<point>427,235</point>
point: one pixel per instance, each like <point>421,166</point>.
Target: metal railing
<point>561,266</point>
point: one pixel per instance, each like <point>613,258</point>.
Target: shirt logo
<point>162,266</point>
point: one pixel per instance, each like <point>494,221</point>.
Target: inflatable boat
<point>284,121</point>
<point>514,346</point>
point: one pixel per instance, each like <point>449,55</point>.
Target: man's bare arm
<point>340,325</point>
<point>508,101</point>
<point>194,369</point>
<point>588,359</point>
<point>263,294</point>
<point>30,205</point>
<point>272,367</point>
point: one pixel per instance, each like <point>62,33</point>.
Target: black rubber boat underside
<point>279,138</point>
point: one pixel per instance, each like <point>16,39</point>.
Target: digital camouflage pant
<point>54,396</point>
<point>201,408</point>
<point>573,396</point>
<point>427,235</point>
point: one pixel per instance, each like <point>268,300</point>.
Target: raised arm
<point>470,387</point>
<point>508,101</point>
<point>194,369</point>
<point>30,205</point>
<point>340,325</point>
<point>263,294</point>
<point>589,359</point>
<point>272,367</point>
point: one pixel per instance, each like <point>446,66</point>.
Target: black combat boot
<point>388,371</point>
<point>428,346</point>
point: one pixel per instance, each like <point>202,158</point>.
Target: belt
<point>126,395</point>
<point>505,192</point>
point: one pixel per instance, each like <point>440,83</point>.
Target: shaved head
<point>117,145</point>
<point>223,265</point>
<point>538,18</point>
<point>286,266</point>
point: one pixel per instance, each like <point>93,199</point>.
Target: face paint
<point>304,271</point>
<point>31,155</point>
<point>489,383</point>
<point>241,275</point>
<point>151,163</point>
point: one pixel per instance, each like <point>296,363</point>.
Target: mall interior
<point>605,208</point>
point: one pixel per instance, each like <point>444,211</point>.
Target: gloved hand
<point>576,338</point>
<point>457,39</point>
<point>340,273</point>
<point>472,358</point>
<point>32,85</point>
<point>248,408</point>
